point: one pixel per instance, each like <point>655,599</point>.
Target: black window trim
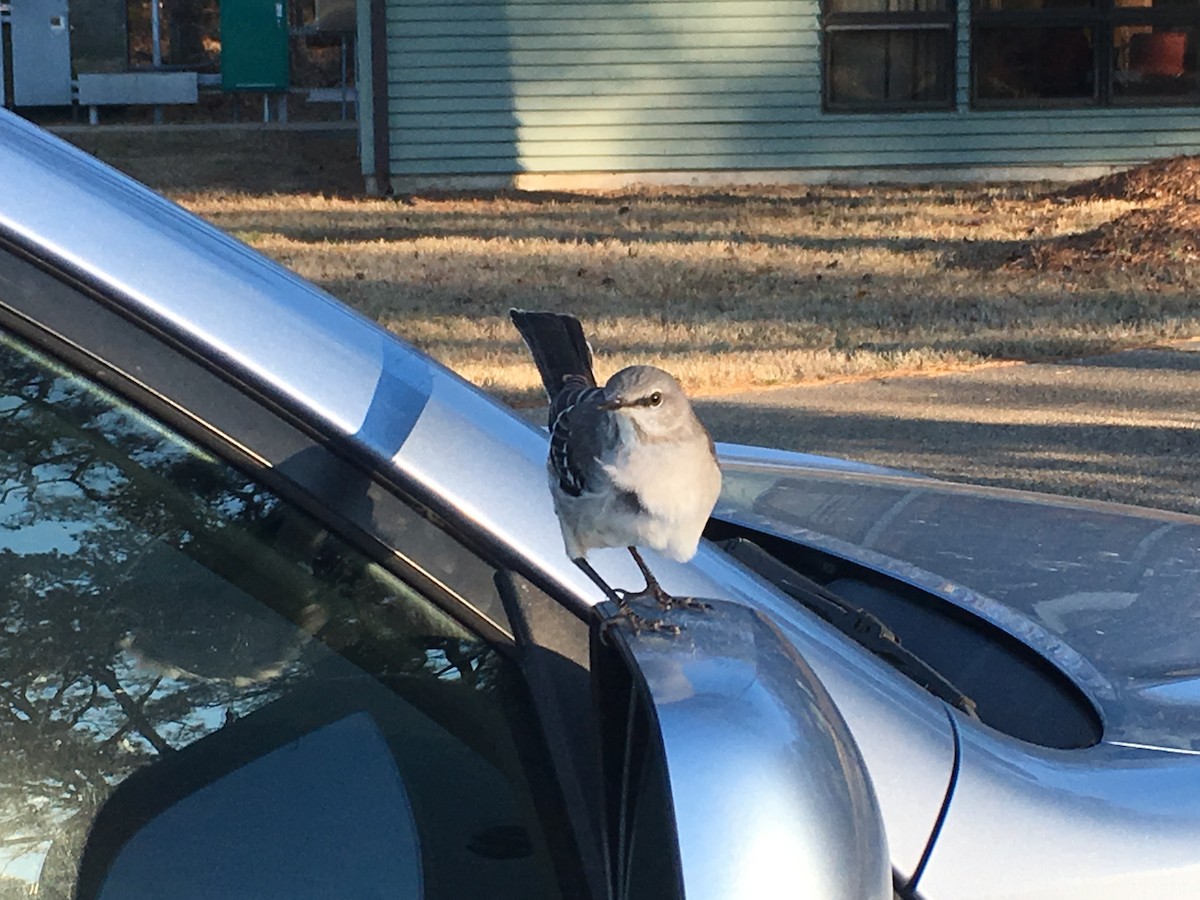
<point>918,20</point>
<point>322,506</point>
<point>171,385</point>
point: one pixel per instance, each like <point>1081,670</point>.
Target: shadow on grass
<point>247,161</point>
<point>760,197</point>
<point>690,310</point>
<point>499,228</point>
<point>1149,466</point>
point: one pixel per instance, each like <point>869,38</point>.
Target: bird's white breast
<point>677,484</point>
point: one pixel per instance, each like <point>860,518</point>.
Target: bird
<point>629,465</point>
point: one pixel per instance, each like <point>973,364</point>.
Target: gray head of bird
<point>649,397</point>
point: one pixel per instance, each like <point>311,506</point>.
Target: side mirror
<point>729,772</point>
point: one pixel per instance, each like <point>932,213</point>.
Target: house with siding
<point>579,93</point>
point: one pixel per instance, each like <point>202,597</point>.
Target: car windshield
<point>1109,593</point>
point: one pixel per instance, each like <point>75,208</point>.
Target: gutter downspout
<point>373,134</point>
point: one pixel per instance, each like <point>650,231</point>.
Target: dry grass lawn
<point>729,289</point>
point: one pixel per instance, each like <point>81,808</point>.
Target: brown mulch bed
<point>1162,235</point>
<point>1159,237</point>
<point>1176,179</point>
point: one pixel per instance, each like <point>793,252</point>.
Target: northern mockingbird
<point>630,465</point>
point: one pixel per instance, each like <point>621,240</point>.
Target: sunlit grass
<point>728,289</point>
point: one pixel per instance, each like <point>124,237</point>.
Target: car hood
<point>1108,593</point>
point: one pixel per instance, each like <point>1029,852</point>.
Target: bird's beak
<point>614,403</point>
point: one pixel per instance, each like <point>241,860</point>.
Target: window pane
<point>189,32</point>
<point>159,603</point>
<point>874,67</point>
<point>887,6</point>
<point>1033,63</point>
<point>1154,62</point>
<point>1157,4</point>
<point>1031,6</point>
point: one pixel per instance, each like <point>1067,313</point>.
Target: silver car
<point>287,614</point>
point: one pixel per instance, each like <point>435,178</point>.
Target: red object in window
<point>1160,53</point>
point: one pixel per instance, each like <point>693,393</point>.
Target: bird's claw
<point>664,600</point>
<point>640,623</point>
<point>670,602</point>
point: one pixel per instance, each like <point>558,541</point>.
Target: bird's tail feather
<point>558,347</point>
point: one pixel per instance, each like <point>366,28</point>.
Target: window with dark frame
<point>888,55</point>
<point>1028,53</point>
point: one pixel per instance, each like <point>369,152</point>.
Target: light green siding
<point>504,87</point>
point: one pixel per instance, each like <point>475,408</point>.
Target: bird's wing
<point>577,432</point>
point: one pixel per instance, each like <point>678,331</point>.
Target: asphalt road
<point>1123,427</point>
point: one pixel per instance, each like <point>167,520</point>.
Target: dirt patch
<point>1161,237</point>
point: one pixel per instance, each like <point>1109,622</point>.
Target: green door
<point>254,45</point>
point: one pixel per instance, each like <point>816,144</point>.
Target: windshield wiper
<point>864,627</point>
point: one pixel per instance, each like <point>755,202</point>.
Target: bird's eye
<point>656,398</point>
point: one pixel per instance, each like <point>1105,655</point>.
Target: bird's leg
<point>620,598</point>
<point>655,590</point>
